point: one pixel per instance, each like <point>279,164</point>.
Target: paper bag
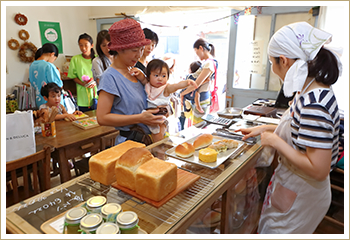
<point>20,139</point>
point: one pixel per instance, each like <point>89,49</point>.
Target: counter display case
<point>182,214</point>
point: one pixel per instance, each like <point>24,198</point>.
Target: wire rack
<point>169,213</point>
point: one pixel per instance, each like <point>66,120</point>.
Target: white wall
<point>73,22</point>
<point>335,20</point>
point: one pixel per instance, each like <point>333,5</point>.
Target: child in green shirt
<point>80,65</point>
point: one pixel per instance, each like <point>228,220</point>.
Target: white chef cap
<point>299,41</point>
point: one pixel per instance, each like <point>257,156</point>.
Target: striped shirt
<point>316,121</point>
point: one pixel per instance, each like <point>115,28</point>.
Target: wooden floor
<point>327,227</point>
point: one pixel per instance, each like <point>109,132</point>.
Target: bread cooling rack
<point>169,213</point>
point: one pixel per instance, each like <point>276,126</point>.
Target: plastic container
<point>110,212</point>
<point>48,129</point>
<point>108,228</point>
<point>72,220</point>
<point>95,204</point>
<point>127,222</point>
<point>90,223</point>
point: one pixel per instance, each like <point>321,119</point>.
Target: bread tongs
<point>228,133</point>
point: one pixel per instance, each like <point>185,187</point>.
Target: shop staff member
<point>306,139</point>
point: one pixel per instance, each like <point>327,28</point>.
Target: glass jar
<point>90,223</point>
<point>110,212</point>
<point>94,204</point>
<point>108,228</point>
<point>127,222</point>
<point>72,220</point>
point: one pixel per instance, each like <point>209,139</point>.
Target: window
<point>249,74</point>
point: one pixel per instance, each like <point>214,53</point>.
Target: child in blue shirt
<point>42,71</point>
<point>51,92</point>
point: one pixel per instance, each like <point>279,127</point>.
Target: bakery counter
<point>44,213</point>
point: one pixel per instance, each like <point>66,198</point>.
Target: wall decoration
<point>21,19</point>
<point>13,44</point>
<point>236,18</point>
<point>23,34</point>
<point>248,11</point>
<point>51,33</point>
<point>26,48</point>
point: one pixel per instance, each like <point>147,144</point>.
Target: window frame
<point>243,97</point>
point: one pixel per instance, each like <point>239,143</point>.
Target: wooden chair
<point>81,166</point>
<point>333,222</point>
<point>108,141</point>
<point>37,164</point>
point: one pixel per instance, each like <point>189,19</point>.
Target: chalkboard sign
<point>56,201</point>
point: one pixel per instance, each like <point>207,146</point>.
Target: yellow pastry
<point>208,155</point>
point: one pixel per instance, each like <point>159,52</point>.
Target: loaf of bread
<point>102,164</point>
<point>127,165</point>
<point>207,155</point>
<point>184,150</point>
<point>155,179</point>
<point>203,140</point>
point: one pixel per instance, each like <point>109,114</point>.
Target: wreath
<point>13,44</point>
<point>23,52</point>
<point>21,19</point>
<point>23,34</point>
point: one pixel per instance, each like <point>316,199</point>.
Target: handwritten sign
<point>256,57</point>
<point>54,202</point>
<point>57,202</point>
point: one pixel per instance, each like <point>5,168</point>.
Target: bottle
<point>127,222</point>
<point>72,220</point>
<point>94,204</point>
<point>108,228</point>
<point>110,212</point>
<point>90,223</point>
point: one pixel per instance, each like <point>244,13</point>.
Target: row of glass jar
<point>97,216</point>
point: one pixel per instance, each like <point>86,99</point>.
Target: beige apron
<point>294,202</point>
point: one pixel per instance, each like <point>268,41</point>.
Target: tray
<point>222,156</point>
<point>230,112</point>
<point>86,123</point>
<point>58,221</point>
<point>184,180</point>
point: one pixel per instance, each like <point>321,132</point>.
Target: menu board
<point>56,201</point>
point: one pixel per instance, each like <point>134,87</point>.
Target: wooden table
<point>72,141</point>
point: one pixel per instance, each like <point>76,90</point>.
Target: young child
<point>51,92</point>
<point>104,59</point>
<point>194,71</point>
<point>80,65</point>
<point>158,90</point>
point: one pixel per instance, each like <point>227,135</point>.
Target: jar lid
<point>127,218</point>
<point>91,220</point>
<point>111,208</point>
<point>96,201</point>
<point>75,214</point>
<point>108,228</point>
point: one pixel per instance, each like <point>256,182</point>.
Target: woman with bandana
<point>306,139</point>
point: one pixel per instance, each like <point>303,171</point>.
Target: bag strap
<point>70,93</point>
<point>215,73</point>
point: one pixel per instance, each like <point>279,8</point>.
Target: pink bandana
<point>152,92</point>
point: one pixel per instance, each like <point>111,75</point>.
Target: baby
<point>158,90</point>
<point>194,97</point>
<point>51,92</point>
